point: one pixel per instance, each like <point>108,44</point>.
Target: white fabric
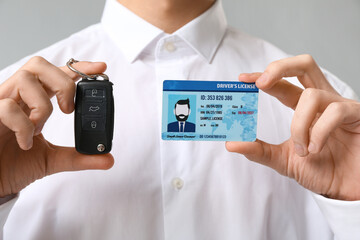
<point>5,209</point>
<point>343,218</point>
<point>169,189</point>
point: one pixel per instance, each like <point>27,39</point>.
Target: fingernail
<point>263,78</point>
<point>299,149</point>
<point>312,147</point>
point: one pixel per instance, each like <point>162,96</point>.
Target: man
<point>182,112</point>
<point>169,189</point>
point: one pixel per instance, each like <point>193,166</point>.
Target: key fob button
<point>93,124</point>
<point>94,108</point>
<point>94,93</point>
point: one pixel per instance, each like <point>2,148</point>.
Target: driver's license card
<point>209,110</point>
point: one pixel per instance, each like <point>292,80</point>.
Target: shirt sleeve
<point>343,217</point>
<point>5,209</point>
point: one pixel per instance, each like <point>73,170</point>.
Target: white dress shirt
<point>172,190</point>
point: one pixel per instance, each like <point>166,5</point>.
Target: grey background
<point>327,29</point>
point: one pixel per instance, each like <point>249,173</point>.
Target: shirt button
<point>177,183</point>
<point>170,47</point>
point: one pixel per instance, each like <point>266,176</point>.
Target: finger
<point>54,80</point>
<point>249,77</point>
<point>336,114</point>
<point>12,116</point>
<point>85,67</point>
<point>261,152</point>
<point>312,102</point>
<point>303,67</point>
<point>68,159</point>
<point>287,93</point>
<point>28,89</point>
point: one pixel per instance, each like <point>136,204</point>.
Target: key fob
<point>94,116</point>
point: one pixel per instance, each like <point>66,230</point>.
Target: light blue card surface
<point>209,110</point>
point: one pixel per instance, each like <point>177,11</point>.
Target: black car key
<point>94,113</point>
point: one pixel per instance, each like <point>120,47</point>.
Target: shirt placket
<point>169,65</point>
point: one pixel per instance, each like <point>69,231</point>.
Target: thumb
<point>249,77</point>
<point>274,156</point>
<point>85,67</point>
<point>61,159</point>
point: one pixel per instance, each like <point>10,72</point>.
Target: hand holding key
<point>25,155</point>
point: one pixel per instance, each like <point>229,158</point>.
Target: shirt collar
<point>205,32</point>
<point>133,34</point>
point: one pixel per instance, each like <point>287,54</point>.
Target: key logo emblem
<point>93,92</point>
